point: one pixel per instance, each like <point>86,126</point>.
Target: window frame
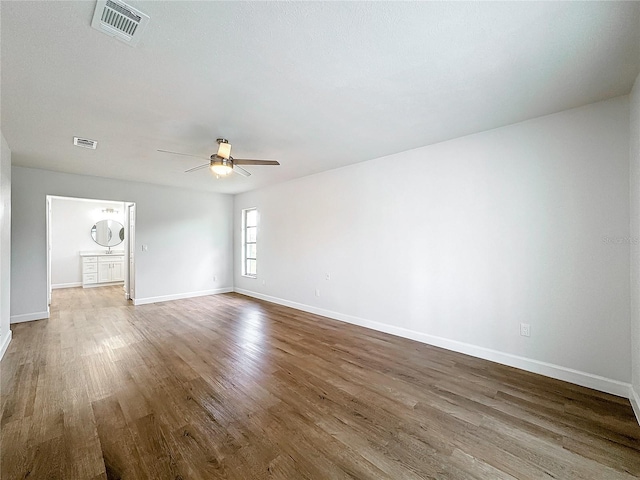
<point>245,242</point>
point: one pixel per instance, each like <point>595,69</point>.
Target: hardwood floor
<point>230,387</point>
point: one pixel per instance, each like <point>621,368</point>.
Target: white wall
<point>458,243</point>
<point>71,222</point>
<point>634,160</point>
<point>188,234</point>
<point>5,244</point>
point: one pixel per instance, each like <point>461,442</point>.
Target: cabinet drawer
<point>89,267</point>
<point>90,278</point>
<point>111,259</point>
<point>89,259</point>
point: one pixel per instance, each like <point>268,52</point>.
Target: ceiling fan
<point>222,163</point>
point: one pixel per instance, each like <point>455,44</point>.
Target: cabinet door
<point>104,272</point>
<point>117,272</point>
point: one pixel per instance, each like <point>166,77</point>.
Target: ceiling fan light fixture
<point>221,166</point>
<point>221,170</point>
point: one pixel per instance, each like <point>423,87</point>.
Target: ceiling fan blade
<point>244,161</point>
<point>183,154</point>
<point>198,167</point>
<point>240,170</point>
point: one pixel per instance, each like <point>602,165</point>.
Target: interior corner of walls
<point>29,317</point>
<point>5,343</point>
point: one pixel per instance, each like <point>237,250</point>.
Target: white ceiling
<point>313,85</point>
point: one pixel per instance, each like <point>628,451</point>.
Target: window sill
<point>249,276</point>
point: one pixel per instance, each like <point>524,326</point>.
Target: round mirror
<point>107,233</point>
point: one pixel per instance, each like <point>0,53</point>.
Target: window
<point>249,236</point>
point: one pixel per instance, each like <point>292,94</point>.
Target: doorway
<point>90,243</point>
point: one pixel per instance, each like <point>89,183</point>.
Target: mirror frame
<point>113,240</point>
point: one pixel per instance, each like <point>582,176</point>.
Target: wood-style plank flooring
<point>230,387</point>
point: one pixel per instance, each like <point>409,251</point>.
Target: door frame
<point>48,237</point>
<point>130,249</point>
<point>129,244</point>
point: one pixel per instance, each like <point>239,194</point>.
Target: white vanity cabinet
<point>101,268</point>
<point>110,268</point>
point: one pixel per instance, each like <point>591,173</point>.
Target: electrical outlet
<point>525,329</point>
<point>327,276</point>
<point>215,278</point>
<point>317,292</point>
<point>264,282</point>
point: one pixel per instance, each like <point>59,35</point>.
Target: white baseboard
<point>558,372</point>
<point>5,344</point>
<point>28,317</point>
<point>66,285</point>
<point>105,284</point>
<point>179,296</point>
<point>634,398</point>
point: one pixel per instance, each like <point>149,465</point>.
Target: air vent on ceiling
<point>119,20</point>
<point>85,143</point>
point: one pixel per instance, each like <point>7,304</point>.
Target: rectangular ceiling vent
<point>85,143</point>
<point>119,20</point>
